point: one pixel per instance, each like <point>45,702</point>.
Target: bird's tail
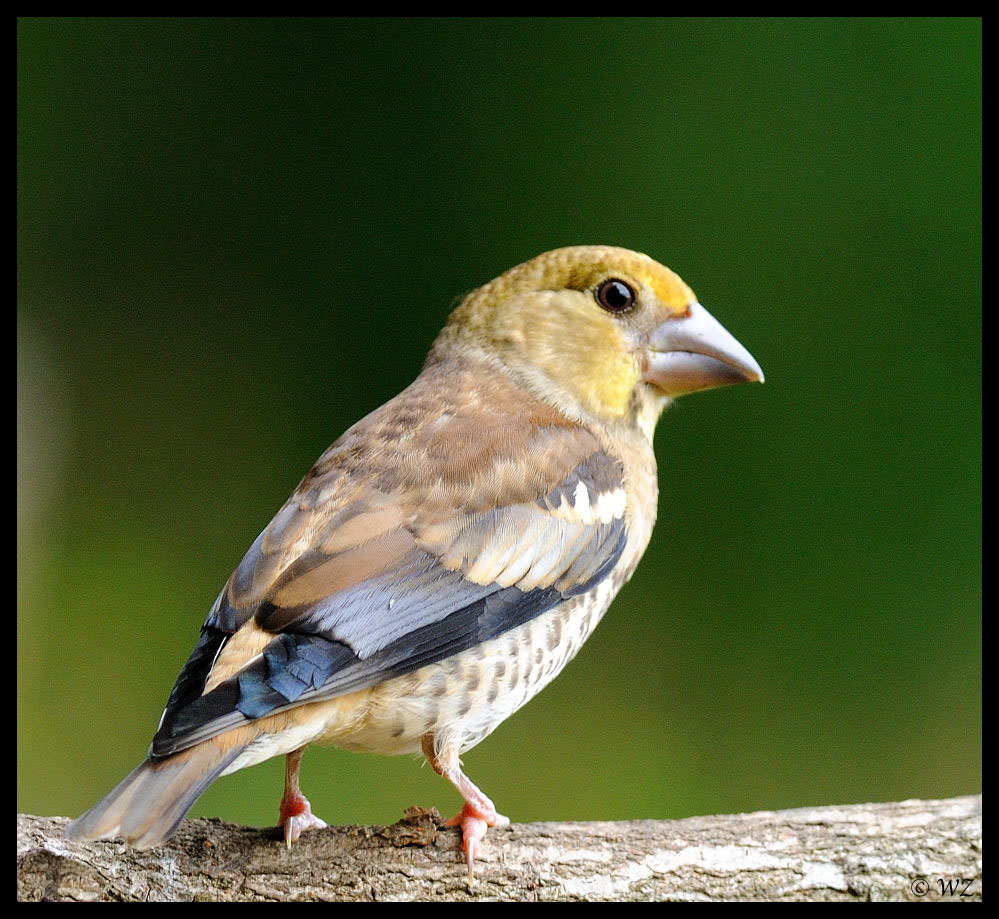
<point>148,804</point>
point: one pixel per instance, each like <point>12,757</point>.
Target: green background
<point>237,237</point>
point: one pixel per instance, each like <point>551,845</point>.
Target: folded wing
<point>397,552</point>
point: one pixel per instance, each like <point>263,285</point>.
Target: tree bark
<point>911,850</point>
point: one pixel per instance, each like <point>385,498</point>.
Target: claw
<point>474,821</point>
<point>471,850</point>
<point>296,817</point>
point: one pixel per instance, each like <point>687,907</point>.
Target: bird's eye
<point>615,296</point>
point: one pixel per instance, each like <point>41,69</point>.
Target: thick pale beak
<point>695,352</point>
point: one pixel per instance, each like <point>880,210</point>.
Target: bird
<point>449,554</point>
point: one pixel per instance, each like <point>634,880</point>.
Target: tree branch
<point>901,851</point>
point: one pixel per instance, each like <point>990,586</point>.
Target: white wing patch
<point>609,506</point>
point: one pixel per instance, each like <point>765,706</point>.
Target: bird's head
<point>602,332</point>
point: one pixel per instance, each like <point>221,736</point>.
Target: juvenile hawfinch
<point>451,552</point>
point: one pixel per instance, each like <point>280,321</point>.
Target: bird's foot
<point>474,820</point>
<point>297,816</point>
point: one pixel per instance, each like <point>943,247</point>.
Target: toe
<point>297,817</point>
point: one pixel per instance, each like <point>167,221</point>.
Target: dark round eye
<point>615,296</point>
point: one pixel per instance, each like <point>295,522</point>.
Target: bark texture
<point>910,850</point>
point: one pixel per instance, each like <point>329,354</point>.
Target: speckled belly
<point>462,699</point>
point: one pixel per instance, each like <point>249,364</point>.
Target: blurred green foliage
<point>235,237</point>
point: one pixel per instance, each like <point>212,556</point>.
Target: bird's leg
<point>296,812</point>
<point>478,814</point>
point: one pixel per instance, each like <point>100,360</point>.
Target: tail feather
<point>147,806</point>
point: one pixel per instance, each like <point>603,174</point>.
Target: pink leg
<point>478,814</point>
<point>296,812</point>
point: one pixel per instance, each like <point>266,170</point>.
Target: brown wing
<point>437,522</point>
